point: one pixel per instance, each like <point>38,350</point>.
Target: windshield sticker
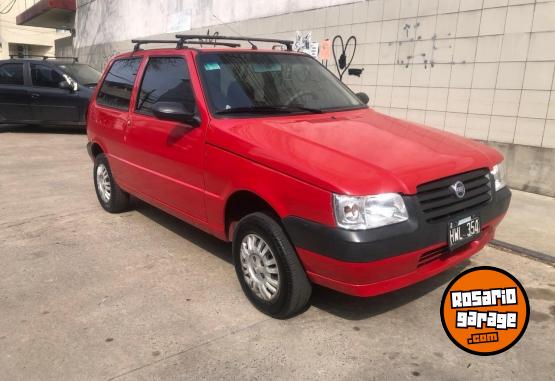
<point>211,66</point>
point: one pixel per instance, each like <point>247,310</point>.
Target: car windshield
<point>254,83</point>
<point>83,74</point>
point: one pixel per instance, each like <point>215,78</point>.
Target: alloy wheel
<point>103,183</point>
<point>259,267</point>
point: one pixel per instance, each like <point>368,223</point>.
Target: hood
<point>352,152</point>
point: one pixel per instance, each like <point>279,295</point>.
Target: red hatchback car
<point>269,150</point>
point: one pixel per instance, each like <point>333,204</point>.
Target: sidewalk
<point>530,223</point>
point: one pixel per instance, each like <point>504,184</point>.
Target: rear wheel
<point>111,197</point>
<point>268,268</point>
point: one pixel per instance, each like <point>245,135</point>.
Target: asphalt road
<point>85,295</point>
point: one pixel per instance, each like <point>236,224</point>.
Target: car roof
<point>24,60</point>
<point>182,51</point>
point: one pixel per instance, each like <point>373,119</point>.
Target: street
<point>141,295</point>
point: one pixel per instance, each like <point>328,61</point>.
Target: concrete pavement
<point>85,295</point>
<point>530,223</point>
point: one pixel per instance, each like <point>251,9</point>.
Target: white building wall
<point>102,21</point>
<point>479,68</point>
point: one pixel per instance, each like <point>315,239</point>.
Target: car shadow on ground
<point>338,304</point>
<point>188,232</point>
<point>354,308</point>
<point>30,129</point>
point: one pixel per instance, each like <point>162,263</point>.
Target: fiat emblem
<point>459,189</point>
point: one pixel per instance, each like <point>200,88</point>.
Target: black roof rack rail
<point>74,59</point>
<point>44,58</point>
<point>22,56</point>
<point>138,43</point>
<point>180,43</point>
<point>210,39</point>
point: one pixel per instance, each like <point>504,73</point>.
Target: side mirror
<point>64,85</point>
<point>68,85</point>
<point>363,97</point>
<point>175,111</point>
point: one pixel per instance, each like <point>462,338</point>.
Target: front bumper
<point>372,262</point>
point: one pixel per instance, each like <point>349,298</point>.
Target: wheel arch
<point>241,203</point>
<point>96,149</point>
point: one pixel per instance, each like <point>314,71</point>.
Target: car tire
<point>111,197</point>
<point>278,262</point>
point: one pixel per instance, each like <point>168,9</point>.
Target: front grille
<point>438,201</point>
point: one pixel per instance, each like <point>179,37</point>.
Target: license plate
<point>463,230</point>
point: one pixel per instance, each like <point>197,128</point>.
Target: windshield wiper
<point>268,109</point>
<point>303,108</point>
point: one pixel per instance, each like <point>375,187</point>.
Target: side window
<point>118,84</point>
<point>11,74</point>
<point>45,76</point>
<point>166,79</point>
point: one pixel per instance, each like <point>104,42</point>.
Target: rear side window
<point>44,76</point>
<point>166,79</point>
<point>118,84</point>
<point>11,74</point>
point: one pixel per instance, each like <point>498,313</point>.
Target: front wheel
<point>268,268</point>
<point>111,197</point>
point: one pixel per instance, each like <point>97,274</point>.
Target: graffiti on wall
<point>343,51</point>
<point>415,48</point>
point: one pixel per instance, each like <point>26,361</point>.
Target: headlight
<point>499,175</point>
<point>368,212</point>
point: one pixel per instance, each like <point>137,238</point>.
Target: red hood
<point>354,152</point>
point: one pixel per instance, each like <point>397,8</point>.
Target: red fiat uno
<point>269,150</point>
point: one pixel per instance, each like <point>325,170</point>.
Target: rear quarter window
<point>117,87</point>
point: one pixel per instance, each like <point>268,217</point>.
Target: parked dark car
<point>45,91</point>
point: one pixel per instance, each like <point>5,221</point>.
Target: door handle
<point>35,95</point>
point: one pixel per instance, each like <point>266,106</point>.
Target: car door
<point>111,115</point>
<point>14,94</point>
<point>167,155</point>
<point>49,102</point>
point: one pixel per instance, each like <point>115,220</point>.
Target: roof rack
<point>74,59</point>
<point>13,56</point>
<point>210,39</point>
<point>44,58</point>
<point>180,43</point>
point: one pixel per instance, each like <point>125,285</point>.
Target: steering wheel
<point>299,94</point>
